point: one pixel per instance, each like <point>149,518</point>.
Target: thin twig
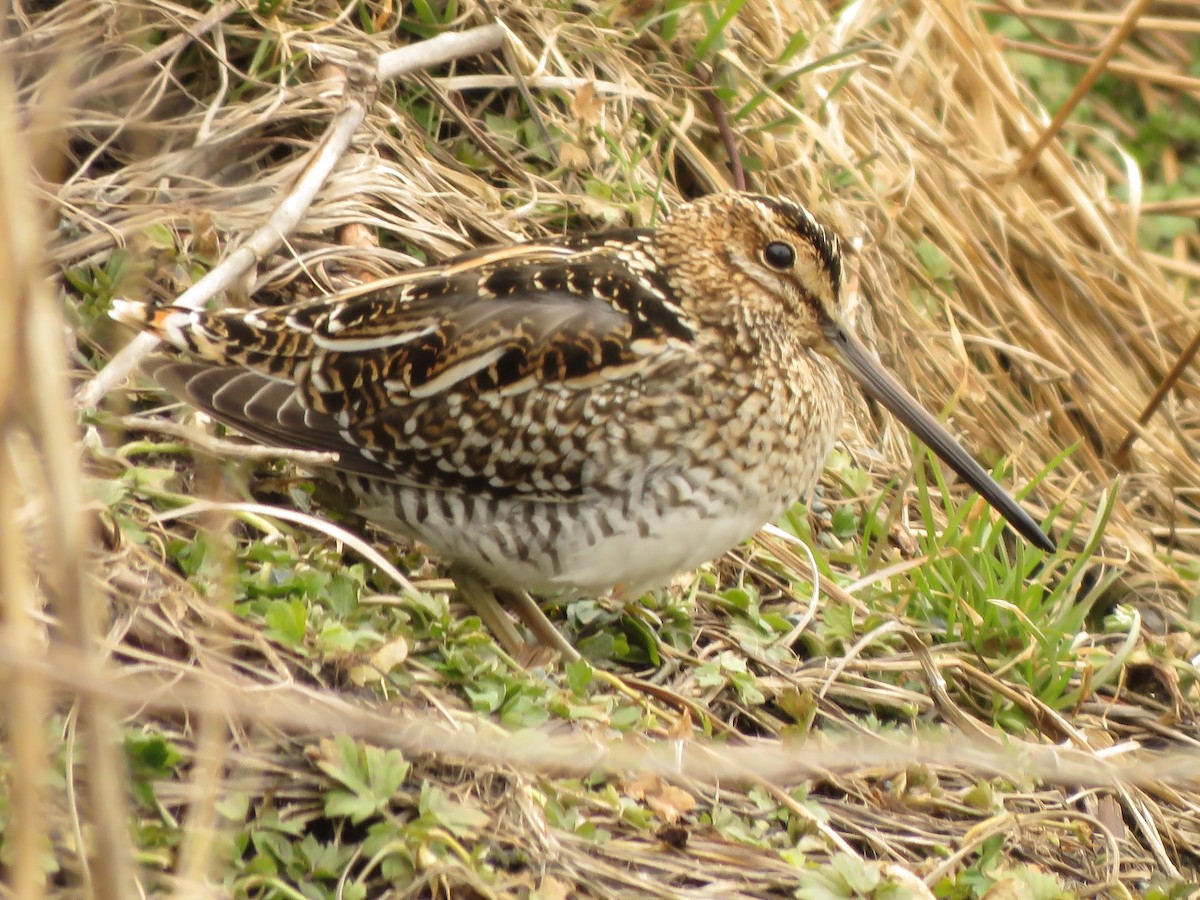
<point>223,449</point>
<point>717,111</point>
<point>298,709</point>
<point>1160,76</point>
<point>1094,71</point>
<point>441,49</point>
<point>336,532</point>
<point>43,437</point>
<point>123,72</point>
<point>53,472</point>
<point>1180,24</point>
<point>1121,454</point>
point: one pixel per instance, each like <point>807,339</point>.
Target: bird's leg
<point>485,601</point>
<point>543,629</point>
<point>482,601</point>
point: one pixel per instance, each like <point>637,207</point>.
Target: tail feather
<point>245,388</point>
<point>180,327</point>
<point>264,410</point>
<point>255,339</point>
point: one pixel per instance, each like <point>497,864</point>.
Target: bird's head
<point>768,260</point>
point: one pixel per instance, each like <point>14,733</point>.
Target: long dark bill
<point>883,386</point>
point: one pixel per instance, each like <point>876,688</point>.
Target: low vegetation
<point>212,687</point>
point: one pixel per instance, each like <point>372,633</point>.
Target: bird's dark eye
<point>779,256</point>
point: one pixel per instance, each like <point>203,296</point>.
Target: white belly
<point>679,541</point>
<point>582,549</point>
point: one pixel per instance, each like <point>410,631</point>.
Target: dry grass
<point>210,639</point>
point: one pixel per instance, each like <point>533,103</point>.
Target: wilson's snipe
<point>568,416</point>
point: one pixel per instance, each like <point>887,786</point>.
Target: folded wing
<point>497,371</point>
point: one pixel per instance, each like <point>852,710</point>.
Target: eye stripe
<point>800,220</point>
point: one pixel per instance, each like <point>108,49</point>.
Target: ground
<point>219,682</point>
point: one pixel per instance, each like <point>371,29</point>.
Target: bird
<point>583,415</point>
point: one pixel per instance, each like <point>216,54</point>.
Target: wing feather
<point>267,411</point>
<point>489,372</point>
